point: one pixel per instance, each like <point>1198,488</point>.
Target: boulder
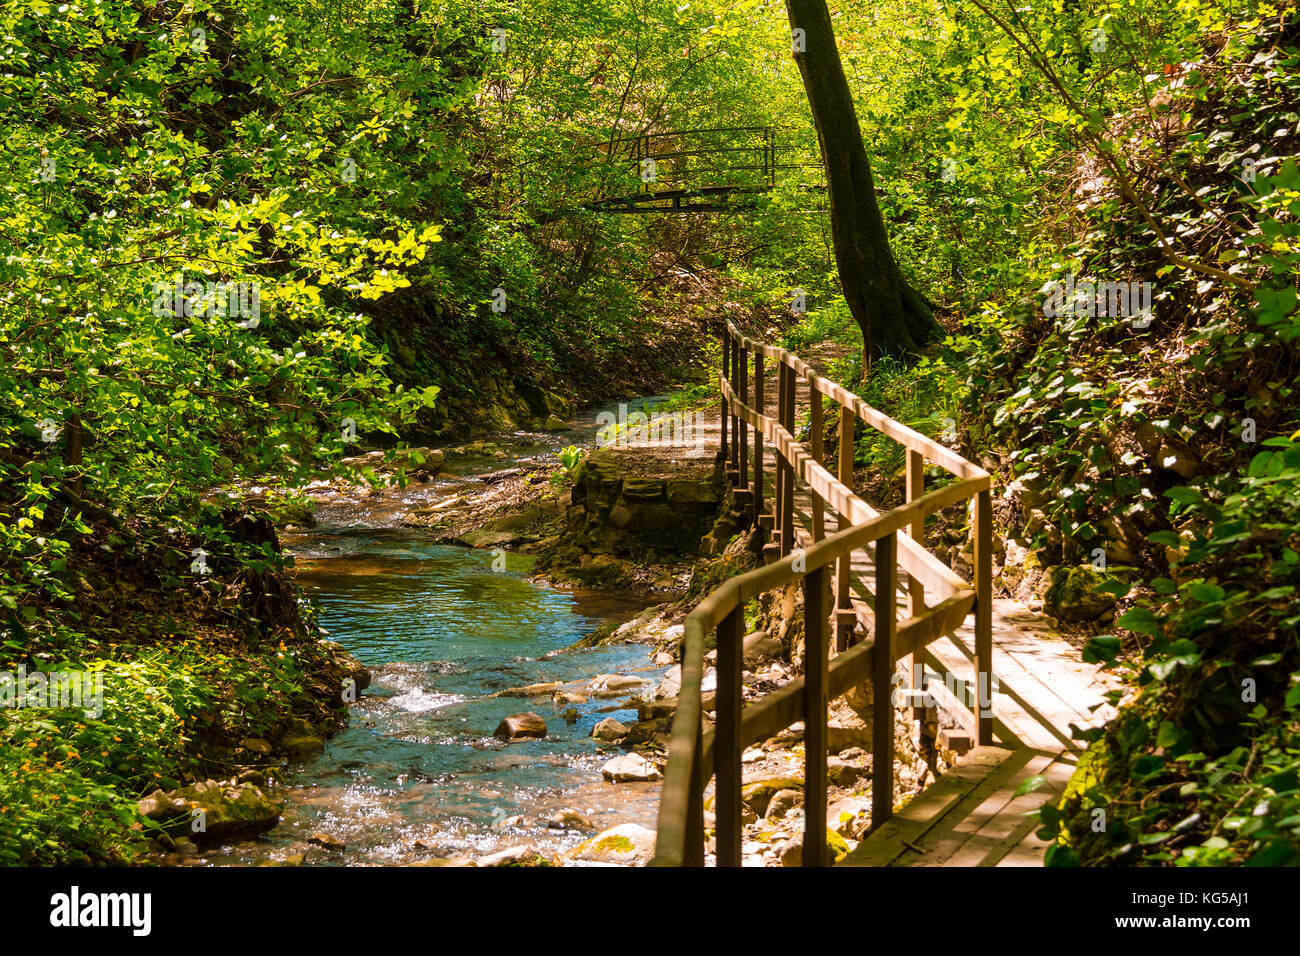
<point>616,685</point>
<point>850,816</point>
<point>630,768</point>
<point>554,423</point>
<point>844,774</point>
<point>208,812</point>
<point>757,794</point>
<point>517,726</point>
<point>512,856</point>
<point>256,745</point>
<point>627,845</point>
<point>299,746</point>
<point>671,683</point>
<point>533,690</point>
<point>1073,594</point>
<point>759,648</point>
<point>791,851</point>
<point>782,802</point>
<point>569,820</point>
<point>610,730</point>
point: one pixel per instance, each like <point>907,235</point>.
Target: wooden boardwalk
<point>971,816</point>
<point>943,619</point>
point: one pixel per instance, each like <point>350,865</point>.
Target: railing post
<point>693,853</point>
<point>735,418</point>
<point>816,425</point>
<point>726,740</point>
<point>882,673</point>
<point>787,488</point>
<point>984,618</point>
<point>816,664</point>
<point>915,488</point>
<point>758,438</point>
<point>778,502</point>
<point>844,616</point>
<point>742,375</point>
<point>726,352</point>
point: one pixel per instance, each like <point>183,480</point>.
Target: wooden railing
<point>898,539</point>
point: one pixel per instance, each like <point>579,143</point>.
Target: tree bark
<point>893,316</point>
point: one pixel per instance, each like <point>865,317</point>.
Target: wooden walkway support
<point>900,561</point>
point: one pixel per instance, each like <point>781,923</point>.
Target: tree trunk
<point>894,317</point>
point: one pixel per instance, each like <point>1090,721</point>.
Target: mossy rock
<point>1075,594</point>
<point>757,795</point>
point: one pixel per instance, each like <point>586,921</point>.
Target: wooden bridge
<point>717,170</point>
<point>856,567</point>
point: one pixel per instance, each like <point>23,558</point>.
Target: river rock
<point>630,768</point>
<point>327,841</point>
<point>345,666</point>
<point>524,855</point>
<point>256,745</point>
<point>627,845</point>
<point>207,812</point>
<point>844,774</point>
<point>782,802</point>
<point>555,423</point>
<point>615,685</point>
<point>671,684</point>
<point>757,794</point>
<point>533,690</point>
<point>850,816</point>
<point>1074,594</point>
<point>610,730</point>
<point>299,746</point>
<point>569,820</point>
<point>791,852</point>
<point>517,726</point>
<point>758,648</point>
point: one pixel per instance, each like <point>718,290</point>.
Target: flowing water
<point>417,773</point>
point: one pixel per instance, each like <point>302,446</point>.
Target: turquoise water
<point>417,773</point>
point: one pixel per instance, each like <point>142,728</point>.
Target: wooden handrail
<point>896,535</point>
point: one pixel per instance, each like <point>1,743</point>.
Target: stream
<point>417,773</point>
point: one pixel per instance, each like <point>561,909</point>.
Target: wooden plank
<point>915,488</point>
<point>677,797</point>
<point>816,680</point>
<point>742,373</point>
<point>886,843</point>
<point>843,574</point>
<point>1008,829</point>
<point>787,490</point>
<point>817,426</point>
<point>932,450</point>
<point>914,559</point>
<point>722,381</point>
<point>726,749</point>
<point>758,438</point>
<point>882,724</point>
<point>735,421</point>
<point>980,806</point>
<point>984,615</point>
